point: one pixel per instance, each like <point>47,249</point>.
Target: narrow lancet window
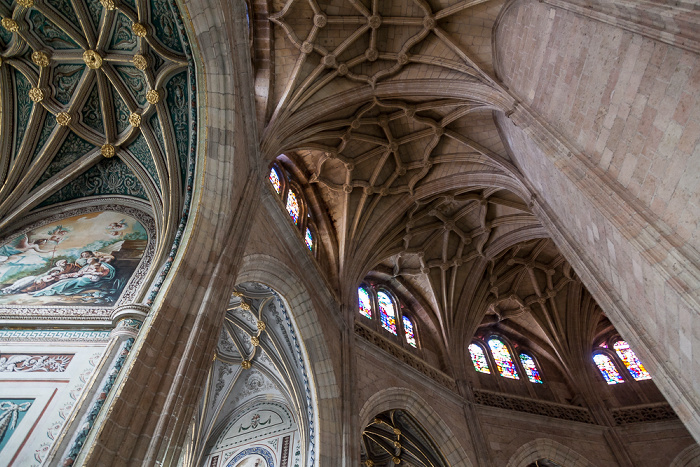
<point>504,362</point>
<point>309,239</point>
<point>629,358</point>
<point>408,329</point>
<point>365,303</point>
<point>530,368</point>
<point>275,180</point>
<point>607,368</point>
<point>293,206</point>
<point>479,359</point>
<point>386,312</point>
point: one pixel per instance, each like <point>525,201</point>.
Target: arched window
<point>365,302</point>
<point>293,206</point>
<point>309,239</point>
<point>530,368</point>
<point>386,312</point>
<point>504,362</point>
<point>479,358</point>
<point>390,313</point>
<point>629,358</point>
<point>408,329</point>
<point>607,368</point>
<point>275,180</point>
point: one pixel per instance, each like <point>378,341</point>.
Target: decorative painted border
<point>307,387</point>
<point>91,416</point>
<point>155,288</point>
<point>80,312</point>
<point>11,335</point>
<point>247,409</point>
<point>259,450</point>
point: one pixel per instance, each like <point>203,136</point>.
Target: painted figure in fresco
<point>12,251</point>
<point>86,278</point>
<point>116,229</point>
<point>41,281</point>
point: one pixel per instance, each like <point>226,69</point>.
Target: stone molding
<point>522,404</point>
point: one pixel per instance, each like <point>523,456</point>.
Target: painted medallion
<point>81,260</point>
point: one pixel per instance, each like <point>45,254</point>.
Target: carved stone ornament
<point>40,59</point>
<point>63,119</point>
<point>107,4</point>
<point>245,364</point>
<point>255,341</point>
<point>108,151</point>
<point>10,24</point>
<point>92,59</point>
<point>153,96</point>
<point>139,29</point>
<point>140,62</point>
<point>261,325</point>
<point>25,3</point>
<point>135,120</point>
<point>36,94</point>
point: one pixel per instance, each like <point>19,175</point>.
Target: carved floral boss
<point>75,43</point>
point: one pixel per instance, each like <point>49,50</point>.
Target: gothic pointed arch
<point>548,449</point>
<point>409,401</point>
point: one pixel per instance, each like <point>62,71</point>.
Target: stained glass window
<point>479,359</point>
<point>607,368</point>
<point>530,368</point>
<point>504,362</point>
<point>386,312</point>
<point>408,328</point>
<point>309,239</point>
<point>629,358</point>
<point>275,180</point>
<point>365,304</point>
<point>293,206</point>
<point>604,345</point>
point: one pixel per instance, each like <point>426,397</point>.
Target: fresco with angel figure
<point>81,260</point>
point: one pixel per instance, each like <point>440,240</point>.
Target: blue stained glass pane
<point>309,239</point>
<point>479,359</point>
<point>408,329</point>
<point>530,368</point>
<point>629,358</point>
<point>504,362</point>
<point>365,303</point>
<point>607,368</point>
<point>386,312</point>
<point>275,180</point>
<point>293,206</point>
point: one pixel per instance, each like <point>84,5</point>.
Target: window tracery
<point>614,353</point>
<point>389,312</point>
<point>497,352</point>
<point>530,368</point>
<point>503,359</point>
<point>479,358</point>
<point>386,312</point>
<point>408,329</point>
<point>607,369</point>
<point>629,358</point>
<point>296,206</point>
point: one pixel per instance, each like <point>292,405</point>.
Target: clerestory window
<point>380,304</point>
<point>296,206</point>
<point>497,354</point>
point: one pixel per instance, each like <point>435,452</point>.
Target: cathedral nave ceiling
<point>387,110</point>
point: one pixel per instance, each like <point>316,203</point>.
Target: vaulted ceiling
<point>390,111</point>
<point>96,103</point>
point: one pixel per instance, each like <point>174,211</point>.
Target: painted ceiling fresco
<point>96,100</point>
<point>84,259</point>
